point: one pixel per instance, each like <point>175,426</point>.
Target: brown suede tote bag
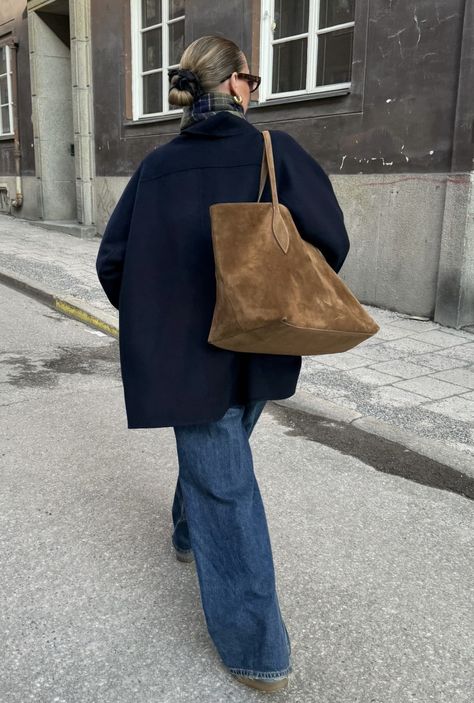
<point>275,292</point>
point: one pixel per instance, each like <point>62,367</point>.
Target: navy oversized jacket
<point>156,265</point>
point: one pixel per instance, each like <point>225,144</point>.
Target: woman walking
<point>156,266</point>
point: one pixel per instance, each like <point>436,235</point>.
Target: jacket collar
<point>222,124</point>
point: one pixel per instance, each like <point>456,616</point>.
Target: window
<point>157,44</point>
<point>5,91</point>
<point>306,46</point>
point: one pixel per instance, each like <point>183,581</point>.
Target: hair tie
<point>187,80</point>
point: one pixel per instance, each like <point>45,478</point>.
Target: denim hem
<point>250,673</point>
<point>178,549</point>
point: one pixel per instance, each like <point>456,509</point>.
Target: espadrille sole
<point>184,556</point>
<point>263,684</point>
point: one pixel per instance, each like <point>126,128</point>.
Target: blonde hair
<point>211,58</point>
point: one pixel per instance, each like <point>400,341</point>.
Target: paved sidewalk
<point>413,381</point>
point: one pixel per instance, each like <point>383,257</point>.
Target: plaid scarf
<point>208,104</point>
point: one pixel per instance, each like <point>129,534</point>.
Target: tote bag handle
<point>280,230</point>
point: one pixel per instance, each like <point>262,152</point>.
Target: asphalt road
<point>373,548</point>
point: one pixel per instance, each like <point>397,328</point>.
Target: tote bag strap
<point>280,231</point>
<point>268,166</point>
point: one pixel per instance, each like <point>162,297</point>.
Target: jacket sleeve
<point>305,189</point>
<point>111,254</point>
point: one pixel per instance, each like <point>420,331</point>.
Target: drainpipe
<point>17,202</point>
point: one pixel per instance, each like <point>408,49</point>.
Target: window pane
<point>176,41</point>
<point>176,8</point>
<point>152,93</point>
<point>152,49</point>
<point>290,18</point>
<point>335,12</point>
<point>289,66</point>
<point>3,89</point>
<point>3,59</point>
<point>335,57</point>
<point>5,119</point>
<point>151,12</point>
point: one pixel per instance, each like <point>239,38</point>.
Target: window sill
<point>253,106</point>
<point>300,98</point>
<point>151,120</point>
<point>6,137</point>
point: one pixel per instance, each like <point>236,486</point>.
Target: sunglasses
<point>253,81</point>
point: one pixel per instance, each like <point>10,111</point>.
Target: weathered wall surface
<point>398,118</point>
<point>394,223</point>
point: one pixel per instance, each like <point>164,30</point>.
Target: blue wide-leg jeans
<point>219,517</point>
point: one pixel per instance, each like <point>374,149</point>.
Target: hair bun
<point>187,80</point>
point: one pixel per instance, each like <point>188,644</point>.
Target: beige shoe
<point>268,685</point>
<point>184,556</point>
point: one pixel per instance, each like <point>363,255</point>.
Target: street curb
<point>301,401</point>
<point>430,448</point>
<point>67,304</point>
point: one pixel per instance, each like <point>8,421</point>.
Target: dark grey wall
<point>405,51</point>
<point>413,53</point>
<point>402,106</point>
<point>463,139</point>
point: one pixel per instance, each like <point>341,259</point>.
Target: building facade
<point>378,91</point>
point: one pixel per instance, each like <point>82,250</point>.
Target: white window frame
<point>137,57</point>
<point>266,50</point>
<point>9,91</point>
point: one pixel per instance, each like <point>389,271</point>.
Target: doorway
<point>61,88</point>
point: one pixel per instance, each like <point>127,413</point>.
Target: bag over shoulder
<point>275,292</point>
